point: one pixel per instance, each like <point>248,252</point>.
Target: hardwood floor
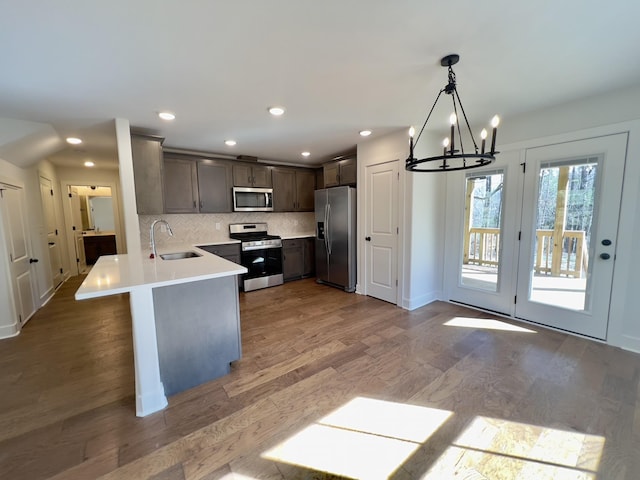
<point>330,385</point>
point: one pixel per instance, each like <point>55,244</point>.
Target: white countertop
<point>219,242</point>
<point>113,274</point>
<point>298,235</point>
<point>93,233</point>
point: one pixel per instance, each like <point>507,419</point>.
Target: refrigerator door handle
<point>328,227</point>
<point>324,238</point>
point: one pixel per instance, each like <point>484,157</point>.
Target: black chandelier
<point>453,158</point>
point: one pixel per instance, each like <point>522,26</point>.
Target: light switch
<point>217,225</point>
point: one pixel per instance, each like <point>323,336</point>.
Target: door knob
<point>368,239</point>
<point>33,260</point>
<point>606,242</point>
<point>605,256</point>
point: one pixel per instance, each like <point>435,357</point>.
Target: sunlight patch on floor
<point>485,323</point>
<point>365,438</point>
<point>495,448</point>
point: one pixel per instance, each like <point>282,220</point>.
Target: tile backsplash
<point>201,228</point>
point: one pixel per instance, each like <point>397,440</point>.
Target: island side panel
<point>150,394</point>
<point>198,331</point>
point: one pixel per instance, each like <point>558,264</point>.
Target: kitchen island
<point>185,314</point>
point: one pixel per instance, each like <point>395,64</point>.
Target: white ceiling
<point>338,66</point>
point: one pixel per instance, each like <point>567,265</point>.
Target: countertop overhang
<point>114,274</point>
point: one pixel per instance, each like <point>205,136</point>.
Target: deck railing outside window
<point>482,247</point>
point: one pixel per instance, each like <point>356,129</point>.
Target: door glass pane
<point>482,223</point>
<point>565,217</point>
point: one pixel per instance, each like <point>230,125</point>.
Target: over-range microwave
<point>247,199</point>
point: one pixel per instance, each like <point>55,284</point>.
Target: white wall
<point>127,185</point>
<point>426,230</point>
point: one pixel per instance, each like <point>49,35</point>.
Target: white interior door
<point>19,251</point>
<point>75,231</point>
<point>570,213</point>
<point>482,211</point>
<point>53,240</point>
<point>381,231</point>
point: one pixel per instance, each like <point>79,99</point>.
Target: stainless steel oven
<point>260,253</point>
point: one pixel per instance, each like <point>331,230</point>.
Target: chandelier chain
<point>428,116</point>
<point>475,145</point>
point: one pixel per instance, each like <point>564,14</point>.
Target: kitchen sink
<point>179,255</point>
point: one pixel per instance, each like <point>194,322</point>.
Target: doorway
<point>91,222</point>
<point>539,243</point>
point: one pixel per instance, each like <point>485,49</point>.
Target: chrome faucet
<point>153,236</point>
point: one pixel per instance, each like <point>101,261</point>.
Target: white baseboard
<point>151,402</point>
<point>629,343</point>
<point>8,331</point>
<point>421,301</point>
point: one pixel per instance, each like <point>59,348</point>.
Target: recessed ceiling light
<point>276,111</point>
<point>89,163</point>
<point>74,140</point>
<point>229,143</point>
<point>167,116</point>
<point>365,133</point>
<point>306,154</point>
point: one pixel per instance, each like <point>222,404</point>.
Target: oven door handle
<point>260,247</point>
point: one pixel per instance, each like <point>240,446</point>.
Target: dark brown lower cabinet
<point>98,245</point>
<point>298,258</point>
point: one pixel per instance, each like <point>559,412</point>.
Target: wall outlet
<point>163,228</point>
<point>217,225</point>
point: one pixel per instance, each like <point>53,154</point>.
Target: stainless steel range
<point>261,253</point>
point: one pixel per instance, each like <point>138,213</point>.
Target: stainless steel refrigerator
<point>336,237</point>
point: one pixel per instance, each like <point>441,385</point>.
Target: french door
<point>570,212</point>
<point>535,233</point>
<point>482,209</point>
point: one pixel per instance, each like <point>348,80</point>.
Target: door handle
<point>33,260</point>
<point>605,256</point>
<point>368,239</point>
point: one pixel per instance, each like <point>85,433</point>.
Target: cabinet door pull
<point>194,204</point>
<point>201,204</point>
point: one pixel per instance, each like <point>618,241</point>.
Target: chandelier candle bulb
<point>445,144</point>
<point>483,136</point>
<point>412,132</point>
<point>453,119</point>
<point>495,121</point>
